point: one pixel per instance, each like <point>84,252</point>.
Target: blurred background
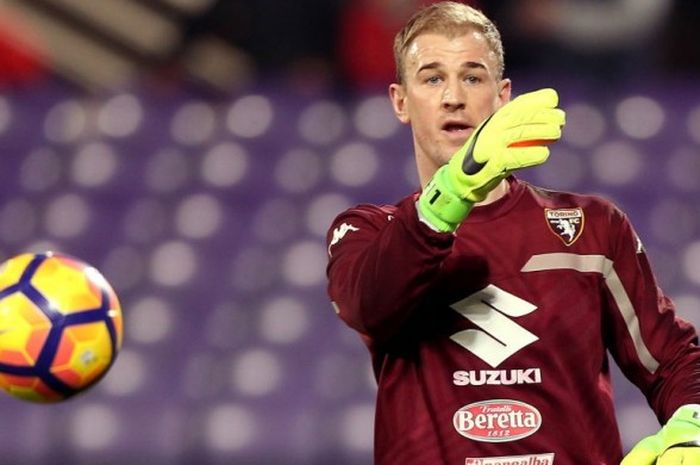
<point>197,150</point>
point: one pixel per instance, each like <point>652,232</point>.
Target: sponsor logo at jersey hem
<point>497,420</point>
<point>565,223</point>
<point>497,377</point>
<point>531,459</point>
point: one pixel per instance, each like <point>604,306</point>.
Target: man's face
<point>449,88</point>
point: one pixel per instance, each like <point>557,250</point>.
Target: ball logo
<point>498,420</point>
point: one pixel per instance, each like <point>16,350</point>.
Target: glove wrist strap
<point>440,205</point>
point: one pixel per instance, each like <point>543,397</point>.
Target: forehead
<point>445,50</point>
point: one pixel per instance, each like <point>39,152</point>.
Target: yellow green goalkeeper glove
<point>678,442</point>
<point>514,137</point>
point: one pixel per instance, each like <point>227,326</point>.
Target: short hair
<point>451,19</point>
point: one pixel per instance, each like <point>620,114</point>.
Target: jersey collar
<point>500,207</point>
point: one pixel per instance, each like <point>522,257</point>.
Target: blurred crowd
<point>348,43</point>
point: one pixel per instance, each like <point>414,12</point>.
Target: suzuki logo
<point>499,336</point>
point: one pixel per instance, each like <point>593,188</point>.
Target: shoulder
<point>593,205</point>
<point>373,215</point>
<point>595,217</point>
<point>369,212</point>
<point>364,217</point>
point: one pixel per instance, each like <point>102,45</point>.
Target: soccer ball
<point>60,326</point>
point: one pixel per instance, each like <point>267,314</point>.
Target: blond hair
<point>451,19</point>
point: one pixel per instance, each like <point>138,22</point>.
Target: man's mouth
<point>457,129</point>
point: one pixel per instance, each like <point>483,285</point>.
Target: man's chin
<point>445,157</point>
<point>455,145</point>
<point>457,138</point>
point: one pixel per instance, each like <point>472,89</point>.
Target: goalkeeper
<point>489,306</point>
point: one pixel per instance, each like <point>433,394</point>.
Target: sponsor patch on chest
<point>566,223</point>
<point>496,377</point>
<point>497,420</point>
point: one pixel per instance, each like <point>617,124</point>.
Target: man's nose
<point>453,97</point>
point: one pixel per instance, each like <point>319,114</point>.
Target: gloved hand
<point>678,442</point>
<point>514,137</point>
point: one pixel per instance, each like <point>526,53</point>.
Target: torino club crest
<point>565,223</point>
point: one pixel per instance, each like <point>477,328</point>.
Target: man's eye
<point>433,80</point>
<point>473,79</point>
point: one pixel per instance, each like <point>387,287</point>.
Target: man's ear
<point>504,89</point>
<point>397,94</point>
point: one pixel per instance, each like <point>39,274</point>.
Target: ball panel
<point>83,354</point>
<point>28,388</point>
<point>64,284</point>
<point>11,270</point>
<point>42,393</point>
<point>23,330</point>
<point>64,351</point>
<point>15,358</point>
<point>14,381</point>
<point>113,307</point>
<point>69,376</point>
<point>96,281</point>
<point>116,318</point>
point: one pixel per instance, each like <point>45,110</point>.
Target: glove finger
<point>512,111</point>
<point>680,455</point>
<point>554,116</point>
<point>524,157</point>
<point>543,98</point>
<point>527,134</point>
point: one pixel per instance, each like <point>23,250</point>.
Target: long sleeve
<point>656,349</point>
<point>382,261</point>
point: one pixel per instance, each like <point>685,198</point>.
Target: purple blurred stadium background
<point>208,214</point>
<point>209,219</point>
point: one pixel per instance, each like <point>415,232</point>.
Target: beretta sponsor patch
<point>531,459</point>
<point>566,223</point>
<point>497,420</point>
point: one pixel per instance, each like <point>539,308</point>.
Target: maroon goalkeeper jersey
<point>489,345</point>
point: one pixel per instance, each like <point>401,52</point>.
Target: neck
<point>497,193</point>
